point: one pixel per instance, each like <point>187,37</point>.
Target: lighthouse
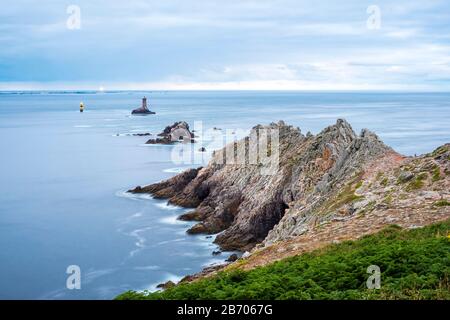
<point>144,103</point>
<point>143,110</point>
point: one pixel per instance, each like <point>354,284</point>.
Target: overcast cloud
<point>209,44</point>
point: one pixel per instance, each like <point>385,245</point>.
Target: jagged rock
<point>188,278</point>
<point>405,176</point>
<point>232,258</point>
<point>142,134</point>
<point>180,126</point>
<point>191,216</point>
<point>215,253</point>
<point>166,285</point>
<point>205,272</point>
<point>176,186</point>
<point>163,140</point>
<point>198,228</point>
<point>177,132</point>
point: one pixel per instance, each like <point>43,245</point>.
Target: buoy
<point>81,106</point>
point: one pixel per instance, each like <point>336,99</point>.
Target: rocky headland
<point>329,187</point>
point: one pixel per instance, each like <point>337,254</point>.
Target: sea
<point>64,176</point>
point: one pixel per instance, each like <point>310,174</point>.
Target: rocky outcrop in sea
<point>177,132</point>
<point>143,109</point>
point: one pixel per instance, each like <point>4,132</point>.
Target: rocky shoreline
<point>337,180</point>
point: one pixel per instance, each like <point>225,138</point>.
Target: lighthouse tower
<point>144,103</point>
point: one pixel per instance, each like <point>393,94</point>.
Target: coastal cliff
<point>328,187</point>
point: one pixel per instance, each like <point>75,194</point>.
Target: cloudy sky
<point>232,44</point>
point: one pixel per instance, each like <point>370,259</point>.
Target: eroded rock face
<point>336,180</point>
<point>245,205</point>
<point>166,285</point>
<point>174,189</point>
<point>410,192</point>
<point>232,258</point>
<point>330,187</point>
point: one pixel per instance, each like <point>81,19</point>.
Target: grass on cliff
<point>414,264</point>
<point>442,203</point>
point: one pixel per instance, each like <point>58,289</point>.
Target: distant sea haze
<point>64,175</point>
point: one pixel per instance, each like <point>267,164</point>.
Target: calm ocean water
<point>63,177</point>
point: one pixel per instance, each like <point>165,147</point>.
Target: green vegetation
<point>344,198</point>
<point>439,151</point>
<point>436,174</point>
<point>415,264</point>
<point>347,195</point>
<point>442,203</point>
<point>384,182</point>
<point>388,199</point>
<point>379,175</point>
<point>418,182</point>
<point>422,176</point>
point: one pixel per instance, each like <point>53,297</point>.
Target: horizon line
<point>219,90</point>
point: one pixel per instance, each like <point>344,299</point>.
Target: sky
<point>399,45</point>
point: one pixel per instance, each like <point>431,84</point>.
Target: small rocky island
<point>143,109</point>
<point>177,132</point>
